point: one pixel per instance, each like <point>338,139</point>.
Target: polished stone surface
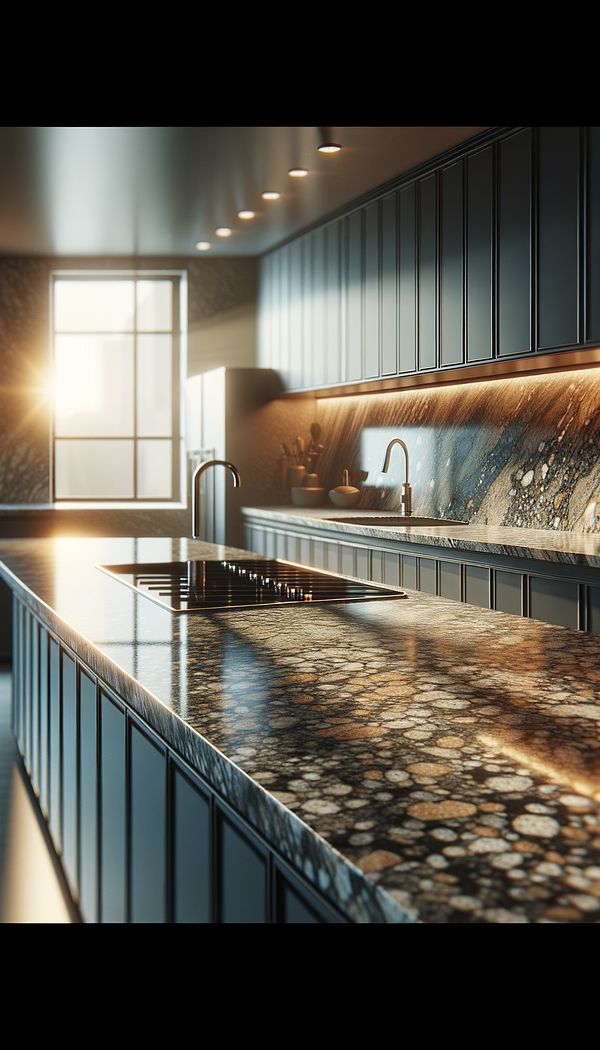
<point>568,548</point>
<point>520,452</point>
<point>417,760</point>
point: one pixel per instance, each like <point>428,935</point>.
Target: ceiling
<point>157,191</point>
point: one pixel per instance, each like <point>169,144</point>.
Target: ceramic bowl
<point>344,499</point>
<point>304,496</point>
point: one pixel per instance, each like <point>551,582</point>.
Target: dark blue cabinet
<point>514,244</point>
<point>148,828</point>
<point>242,865</point>
<point>427,272</point>
<point>451,265</point>
<point>140,836</point>
<point>88,798</point>
<point>54,802</point>
<point>112,811</point>
<point>480,276</point>
<point>69,771</point>
<point>558,237</point>
<point>192,850</point>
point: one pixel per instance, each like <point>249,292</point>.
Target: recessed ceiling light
<point>202,246</point>
<point>223,231</point>
<point>329,147</point>
<point>297,173</point>
<point>270,195</point>
<point>246,214</point>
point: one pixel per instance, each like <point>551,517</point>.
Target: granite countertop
<point>568,548</point>
<point>417,760</point>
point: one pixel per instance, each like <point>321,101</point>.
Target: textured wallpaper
<point>519,451</point>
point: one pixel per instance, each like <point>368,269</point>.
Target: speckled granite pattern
<point>521,452</point>
<point>568,548</point>
<point>417,760</point>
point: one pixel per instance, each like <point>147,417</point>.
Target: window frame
<point>178,281</point>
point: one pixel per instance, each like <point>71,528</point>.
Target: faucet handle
<point>407,498</point>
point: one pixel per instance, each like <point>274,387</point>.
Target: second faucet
<point>406,489</point>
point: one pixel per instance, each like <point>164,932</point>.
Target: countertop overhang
<point>416,760</point>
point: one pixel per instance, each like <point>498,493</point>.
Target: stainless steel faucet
<point>196,479</point>
<point>406,489</point>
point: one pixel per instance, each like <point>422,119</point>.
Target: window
<point>117,420</point>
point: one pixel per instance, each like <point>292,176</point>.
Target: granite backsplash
<point>518,451</point>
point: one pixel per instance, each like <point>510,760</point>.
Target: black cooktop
<point>197,586</point>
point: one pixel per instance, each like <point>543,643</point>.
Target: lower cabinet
<point>140,836</point>
<point>557,599</point>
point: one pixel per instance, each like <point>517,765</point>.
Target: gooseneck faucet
<point>406,489</point>
<point>196,479</point>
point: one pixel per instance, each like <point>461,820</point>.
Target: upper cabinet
<point>493,253</point>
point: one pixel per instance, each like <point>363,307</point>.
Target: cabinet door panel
<point>451,265</point>
<point>449,580</point>
<point>372,330</point>
<point>27,735</point>
<point>305,551</point>
<point>112,825</point>
<point>514,244</point>
<point>376,565</point>
<point>558,238</point>
<point>391,568</point>
<point>554,601</point>
<point>389,287</point>
<point>35,704</point>
<point>427,575</point>
<point>299,374</point>
<point>281,544</point>
<point>508,592</point>
<point>69,769</point>
<point>363,563</point>
<point>407,279</point>
<point>242,876</point>
<point>594,610</point>
<point>296,902</point>
<point>319,308</point>
<point>288,366</point>
<point>347,560</point>
<point>334,372</point>
<point>148,843</point>
<point>409,571</point>
<point>480,275</point>
<point>191,852</point>
<point>306,319</point>
<point>54,796</point>
<point>477,585</point>
<point>354,295</point>
<point>427,272</point>
<point>593,235</point>
<point>44,720</point>
<point>88,799</point>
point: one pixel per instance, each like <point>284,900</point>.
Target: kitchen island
<point>389,761</point>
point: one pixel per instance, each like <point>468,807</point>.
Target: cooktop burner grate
<point>198,586</point>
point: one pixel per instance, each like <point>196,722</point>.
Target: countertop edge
<point>431,537</point>
<point>323,866</point>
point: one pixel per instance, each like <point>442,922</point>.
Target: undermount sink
<point>400,522</point>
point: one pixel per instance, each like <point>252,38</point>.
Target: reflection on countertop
<point>449,754</point>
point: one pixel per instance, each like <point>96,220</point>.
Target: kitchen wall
<point>518,451</point>
<point>222,326</point>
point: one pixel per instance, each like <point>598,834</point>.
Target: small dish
<point>305,496</point>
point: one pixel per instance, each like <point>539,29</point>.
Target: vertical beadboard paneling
<point>372,292</point>
<point>389,286</point>
<point>333,295</point>
<point>354,295</point>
